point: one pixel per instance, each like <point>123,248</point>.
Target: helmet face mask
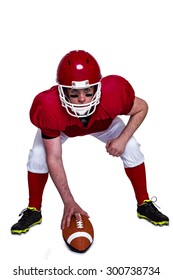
<point>80,110</point>
<point>79,70</point>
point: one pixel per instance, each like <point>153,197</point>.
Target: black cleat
<point>147,210</point>
<point>30,217</point>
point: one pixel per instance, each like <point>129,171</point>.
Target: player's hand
<point>115,147</point>
<point>71,208</point>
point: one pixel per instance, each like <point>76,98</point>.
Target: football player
<point>84,103</point>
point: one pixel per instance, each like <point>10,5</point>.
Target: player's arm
<point>138,112</point>
<point>137,115</point>
<point>55,164</point>
<point>53,149</point>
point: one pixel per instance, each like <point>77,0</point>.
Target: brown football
<point>79,235</point>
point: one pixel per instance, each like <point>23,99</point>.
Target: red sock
<point>137,177</point>
<point>36,184</point>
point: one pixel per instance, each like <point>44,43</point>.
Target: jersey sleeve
<point>119,95</point>
<point>127,96</point>
<point>43,117</point>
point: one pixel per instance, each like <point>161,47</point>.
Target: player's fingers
<point>107,144</point>
<point>109,150</point>
<point>114,153</point>
<point>66,219</point>
<point>86,214</point>
<point>78,216</point>
<point>62,223</point>
<point>82,212</point>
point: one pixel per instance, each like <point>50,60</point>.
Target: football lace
<point>79,223</point>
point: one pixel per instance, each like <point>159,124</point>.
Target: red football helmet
<point>78,70</point>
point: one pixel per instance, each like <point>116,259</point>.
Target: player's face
<point>80,96</point>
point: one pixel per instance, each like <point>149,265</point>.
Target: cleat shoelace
<point>152,206</point>
<point>22,212</point>
<point>26,216</point>
<point>154,200</point>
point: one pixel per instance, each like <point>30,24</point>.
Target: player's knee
<point>132,145</point>
<point>132,155</point>
<point>37,160</point>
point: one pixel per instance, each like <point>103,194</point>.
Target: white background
<point>130,38</point>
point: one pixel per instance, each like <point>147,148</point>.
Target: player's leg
<point>37,178</point>
<point>134,166</point>
<point>38,170</point>
<point>132,158</point>
<point>136,173</point>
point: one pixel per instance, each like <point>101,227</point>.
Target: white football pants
<point>131,157</point>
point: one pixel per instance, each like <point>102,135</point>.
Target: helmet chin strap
<point>80,111</point>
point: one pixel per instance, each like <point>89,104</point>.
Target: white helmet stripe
<point>79,234</point>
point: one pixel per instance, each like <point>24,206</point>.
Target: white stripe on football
<point>79,234</point>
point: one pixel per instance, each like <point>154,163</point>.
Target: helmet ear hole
<point>95,88</point>
<point>65,93</point>
<point>65,90</point>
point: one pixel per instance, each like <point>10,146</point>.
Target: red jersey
<point>47,113</point>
